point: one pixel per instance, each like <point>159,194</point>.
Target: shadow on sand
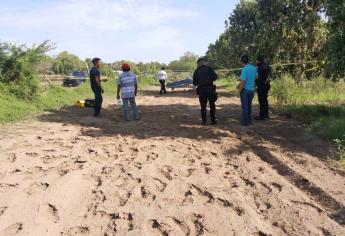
<point>181,119</point>
<point>178,118</point>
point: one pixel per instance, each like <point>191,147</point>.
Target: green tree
<point>66,63</point>
<point>239,38</point>
<point>45,66</point>
<point>187,62</point>
<point>282,31</point>
<point>334,48</point>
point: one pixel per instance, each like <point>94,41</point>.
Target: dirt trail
<point>67,173</point>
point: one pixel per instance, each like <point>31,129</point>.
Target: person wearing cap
<point>203,78</point>
<point>246,89</point>
<point>127,84</point>
<point>162,77</point>
<point>96,86</point>
<point>263,87</point>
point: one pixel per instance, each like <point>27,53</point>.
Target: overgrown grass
<point>144,81</point>
<point>14,109</point>
<point>53,97</point>
<point>318,103</point>
<point>229,83</point>
<point>286,91</point>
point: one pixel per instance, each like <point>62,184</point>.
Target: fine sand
<point>67,173</point>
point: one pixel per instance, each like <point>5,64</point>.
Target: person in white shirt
<point>162,77</point>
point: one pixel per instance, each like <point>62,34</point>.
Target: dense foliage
<point>18,70</point>
<point>285,31</point>
<point>66,63</point>
<point>334,48</point>
<point>187,62</point>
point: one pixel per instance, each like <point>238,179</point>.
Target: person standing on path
<point>246,89</point>
<point>263,87</point>
<point>203,78</point>
<point>96,86</point>
<point>162,77</point>
<point>127,84</point>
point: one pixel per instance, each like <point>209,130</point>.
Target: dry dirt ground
<point>67,173</point>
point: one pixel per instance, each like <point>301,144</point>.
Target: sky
<point>135,30</point>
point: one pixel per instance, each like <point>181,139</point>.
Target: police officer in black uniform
<point>263,87</point>
<point>203,78</point>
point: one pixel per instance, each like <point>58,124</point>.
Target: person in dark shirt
<point>96,86</point>
<point>263,87</point>
<point>203,78</point>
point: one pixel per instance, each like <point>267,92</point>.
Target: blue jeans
<point>246,103</point>
<point>125,102</point>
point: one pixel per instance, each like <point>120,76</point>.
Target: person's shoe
<point>204,123</point>
<point>214,122</point>
<point>260,118</point>
<point>98,115</point>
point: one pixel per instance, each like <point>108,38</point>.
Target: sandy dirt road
<point>67,173</point>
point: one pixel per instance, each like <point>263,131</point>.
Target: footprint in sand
<point>107,170</point>
<point>248,182</point>
<point>31,154</point>
<point>160,185</point>
<point>147,148</point>
<point>204,193</point>
<point>14,229</point>
<point>168,227</point>
<point>146,194</point>
<point>151,156</point>
<point>185,230</point>
<point>206,167</point>
<point>49,211</point>
<point>186,172</point>
<point>4,187</point>
<point>240,211</point>
<point>138,165</point>
<point>37,187</point>
<point>166,171</point>
<point>199,224</point>
<point>2,210</point>
<point>224,203</point>
<point>49,159</point>
<point>76,230</point>
<point>35,170</point>
<point>279,187</point>
<point>155,226</point>
<point>119,224</point>
<point>11,157</point>
<point>124,196</point>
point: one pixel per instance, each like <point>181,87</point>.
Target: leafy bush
<point>18,68</point>
<point>286,91</point>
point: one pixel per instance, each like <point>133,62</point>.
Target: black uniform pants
<point>204,98</point>
<point>263,100</point>
<point>98,100</point>
<point>163,89</point>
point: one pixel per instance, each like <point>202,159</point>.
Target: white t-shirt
<point>162,75</point>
